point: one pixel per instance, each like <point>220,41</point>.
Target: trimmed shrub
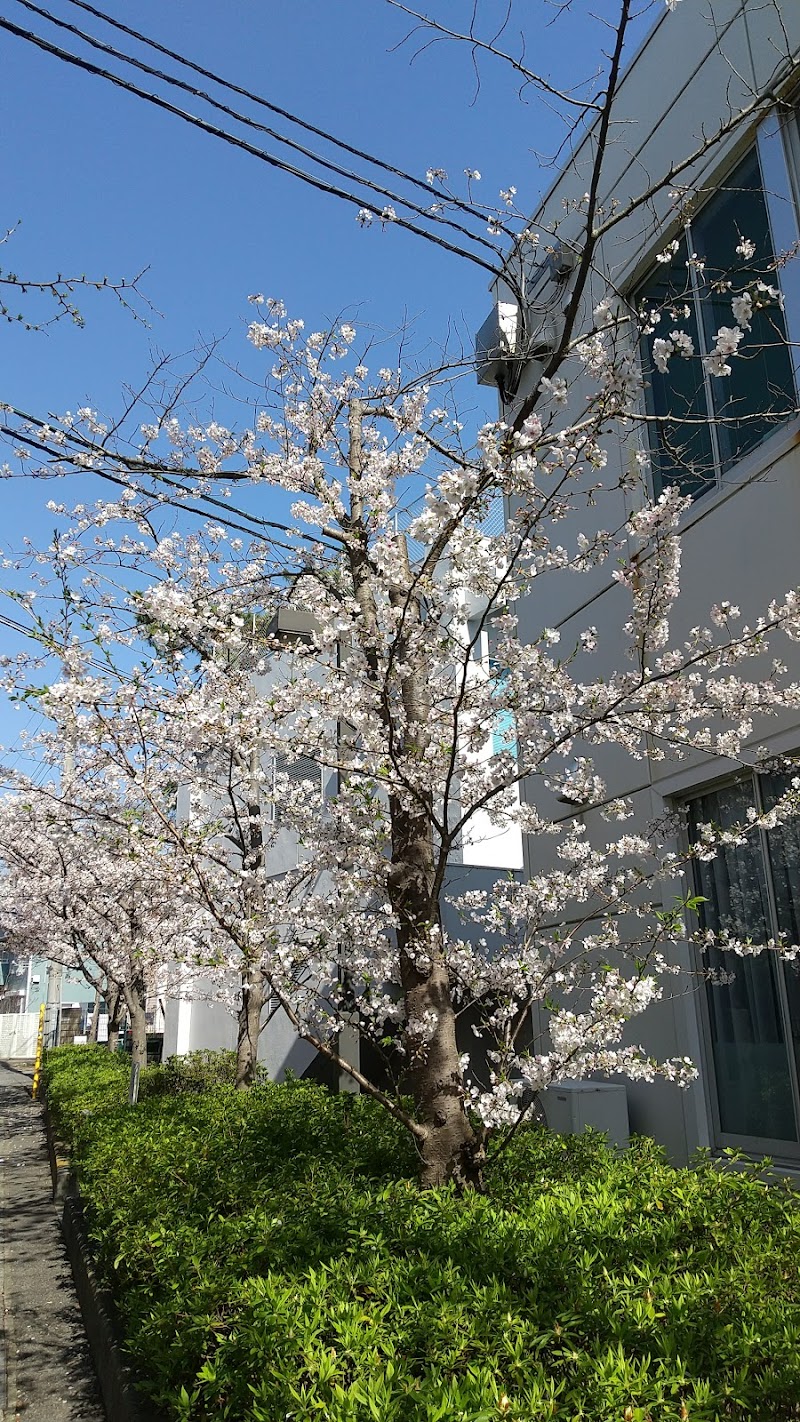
<point>272,1259</point>
<point>81,1080</point>
<point>197,1071</point>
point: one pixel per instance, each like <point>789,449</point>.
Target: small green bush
<point>79,1081</point>
<point>273,1261</point>
<point>197,1071</point>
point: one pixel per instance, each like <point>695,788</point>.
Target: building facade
<point>734,445</point>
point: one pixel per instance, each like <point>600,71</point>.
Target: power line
<point>130,470</point>
<point>291,143</point>
<point>18,748</point>
<point>429,189</point>
<point>271,159</point>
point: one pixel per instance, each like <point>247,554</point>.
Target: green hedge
<point>197,1071</point>
<point>81,1082</point>
<point>273,1260</point>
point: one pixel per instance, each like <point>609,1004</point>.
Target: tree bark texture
<point>93,1025</point>
<point>116,1012</point>
<point>450,1149</point>
<point>136,1010</point>
<point>249,1027</point>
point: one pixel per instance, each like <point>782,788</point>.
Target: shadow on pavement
<point>49,1364</point>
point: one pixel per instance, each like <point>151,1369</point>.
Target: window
<point>703,424</point>
<point>752,890</point>
<point>503,730</point>
<point>483,634</point>
<point>300,770</point>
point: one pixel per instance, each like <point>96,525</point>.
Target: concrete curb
<point>117,1383</point>
<point>61,1172</point>
<point>122,1401</point>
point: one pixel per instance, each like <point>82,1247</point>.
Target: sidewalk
<point>46,1372</point>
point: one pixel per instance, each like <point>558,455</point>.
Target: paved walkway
<point>46,1373</point>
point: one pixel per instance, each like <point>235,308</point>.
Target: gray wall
<point>740,541</point>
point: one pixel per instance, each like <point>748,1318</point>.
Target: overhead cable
<point>262,155</point>
<point>426,187</point>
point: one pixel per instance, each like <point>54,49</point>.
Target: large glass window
<point>503,737</point>
<point>751,889</point>
<point>701,423</point>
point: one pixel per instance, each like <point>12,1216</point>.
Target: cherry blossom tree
<point>391,570</point>
<point>88,884</point>
<point>334,780</point>
<point>36,302</point>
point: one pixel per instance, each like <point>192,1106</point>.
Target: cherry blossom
<point>294,729</point>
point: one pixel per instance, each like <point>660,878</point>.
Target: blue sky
<point>105,184</point>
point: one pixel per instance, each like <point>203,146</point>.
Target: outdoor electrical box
<point>543,338</point>
<point>496,344</point>
<point>572,1106</point>
<point>560,263</point>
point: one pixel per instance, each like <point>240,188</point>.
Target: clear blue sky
<point>105,184</point>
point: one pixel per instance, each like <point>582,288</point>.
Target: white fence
<point>18,1032</point>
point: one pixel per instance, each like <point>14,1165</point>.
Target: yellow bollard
<point>37,1066</point>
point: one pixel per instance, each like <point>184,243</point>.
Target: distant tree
<point>86,886</point>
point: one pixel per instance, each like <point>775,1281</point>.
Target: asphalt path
<point>46,1373</point>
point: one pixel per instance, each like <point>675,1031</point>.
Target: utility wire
<point>130,469</point>
<point>424,212</point>
<point>265,157</point>
<point>427,188</point>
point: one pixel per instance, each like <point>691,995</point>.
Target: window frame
<point>776,144</point>
<point>781,1150</point>
<point>502,736</point>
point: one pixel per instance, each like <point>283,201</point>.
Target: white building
<point>698,69</point>
<point>199,1020</point>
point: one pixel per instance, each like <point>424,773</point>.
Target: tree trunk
<point>116,1011</point>
<point>249,1027</point>
<point>450,1149</point>
<point>136,1008</point>
<point>95,1018</point>
<point>253,984</point>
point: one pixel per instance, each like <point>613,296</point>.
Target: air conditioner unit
<point>496,344</point>
<point>572,1106</point>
